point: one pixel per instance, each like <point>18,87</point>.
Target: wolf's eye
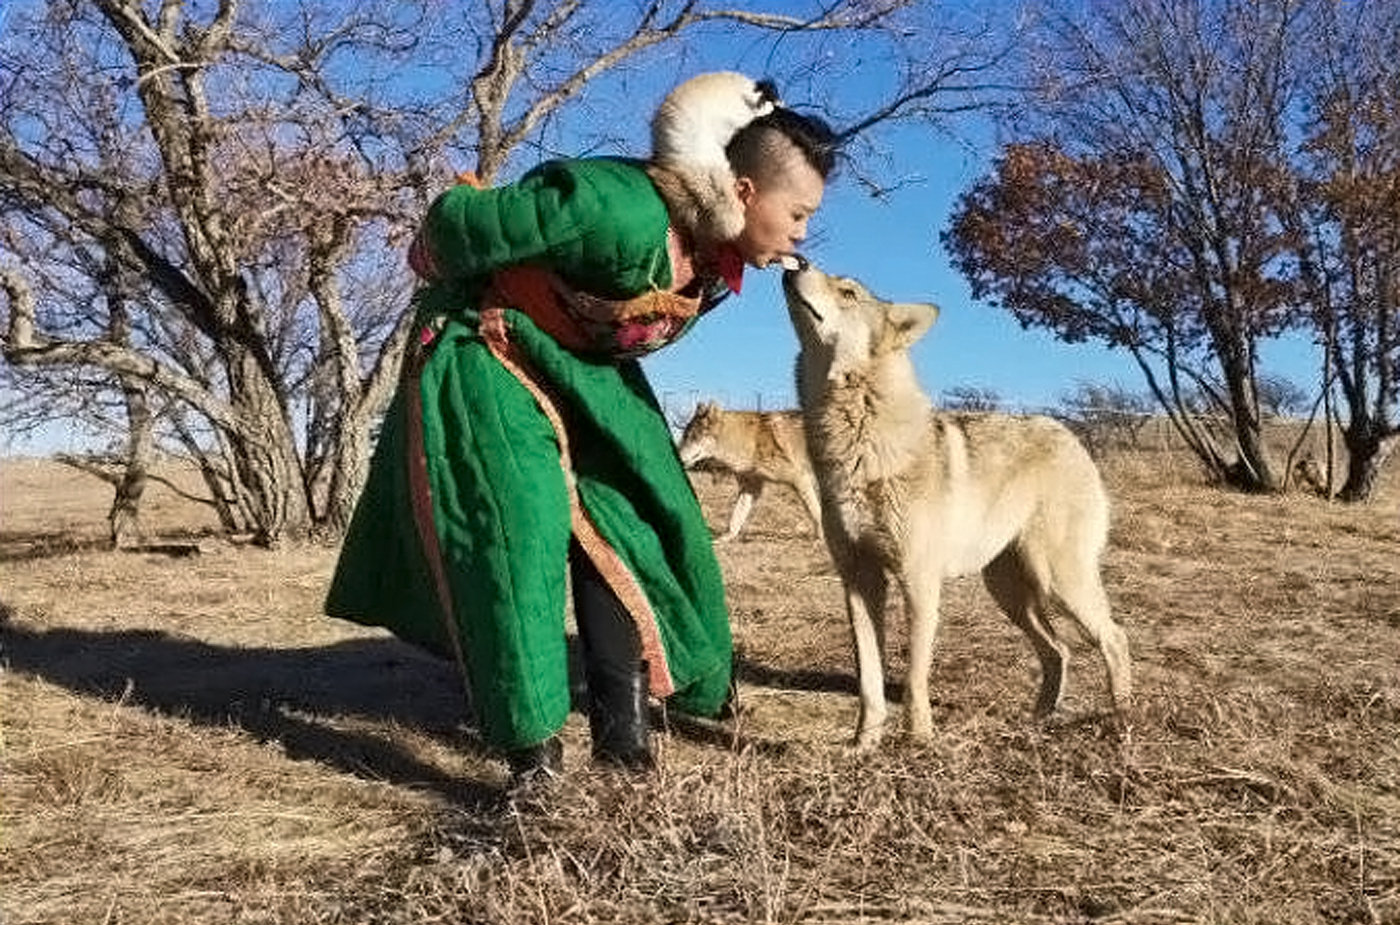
<point>847,292</point>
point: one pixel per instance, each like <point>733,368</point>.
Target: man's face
<point>776,211</point>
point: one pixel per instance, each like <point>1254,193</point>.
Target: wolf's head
<point>842,327</point>
<point>698,439</point>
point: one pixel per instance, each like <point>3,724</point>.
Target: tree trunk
<point>1368,449</point>
<point>354,441</point>
<point>1254,470</point>
<point>347,476</point>
<point>264,456</point>
<point>121,287</point>
<point>125,515</point>
<point>356,401</point>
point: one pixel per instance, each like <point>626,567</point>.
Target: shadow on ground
<point>806,679</point>
<point>302,698</point>
<point>298,698</point>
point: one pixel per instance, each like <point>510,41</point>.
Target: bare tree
<point>1083,247</point>
<point>1174,113</point>
<point>1343,208</point>
<point>1279,395</point>
<point>1106,414</point>
<point>252,170</point>
<point>114,146</point>
<point>971,398</point>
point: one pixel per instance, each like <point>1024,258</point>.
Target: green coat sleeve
<point>598,223</point>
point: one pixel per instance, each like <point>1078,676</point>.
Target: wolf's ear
<point>910,320</point>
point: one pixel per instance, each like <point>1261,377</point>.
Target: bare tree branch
<point>24,347</point>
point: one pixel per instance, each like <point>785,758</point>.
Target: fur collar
<point>702,203</point>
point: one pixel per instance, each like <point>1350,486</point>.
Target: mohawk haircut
<point>760,149</point>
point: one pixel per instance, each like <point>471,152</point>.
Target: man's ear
<point>910,320</point>
<point>745,189</point>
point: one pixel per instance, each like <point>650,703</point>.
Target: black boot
<point>617,717</point>
<point>534,765</point>
<point>729,709</point>
<point>613,669</point>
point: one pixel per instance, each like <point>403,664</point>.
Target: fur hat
<point>689,133</point>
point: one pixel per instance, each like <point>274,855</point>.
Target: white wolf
<point>758,447</point>
<point>922,496</point>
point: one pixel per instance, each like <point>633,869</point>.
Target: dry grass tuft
<point>189,741</point>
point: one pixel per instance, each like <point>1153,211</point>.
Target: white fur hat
<point>697,119</point>
<point>689,133</point>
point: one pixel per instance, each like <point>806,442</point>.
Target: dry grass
<point>189,741</point>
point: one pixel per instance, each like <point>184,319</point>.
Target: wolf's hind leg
<point>1080,590</point>
<point>1013,585</point>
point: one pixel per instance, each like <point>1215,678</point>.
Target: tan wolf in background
<point>922,496</point>
<point>758,447</point>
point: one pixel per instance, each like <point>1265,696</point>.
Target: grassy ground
<point>189,741</point>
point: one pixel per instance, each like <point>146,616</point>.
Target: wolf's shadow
<point>297,697</point>
<point>807,679</point>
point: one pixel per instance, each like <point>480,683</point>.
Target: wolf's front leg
<point>811,500</point>
<point>749,490</point>
<point>921,600</point>
<point>865,607</point>
<point>743,505</point>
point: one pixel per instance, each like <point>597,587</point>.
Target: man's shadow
<point>297,697</point>
<point>307,699</point>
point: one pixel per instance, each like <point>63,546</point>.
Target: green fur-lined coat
<point>459,542</point>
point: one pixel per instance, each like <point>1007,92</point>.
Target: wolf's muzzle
<point>790,285</point>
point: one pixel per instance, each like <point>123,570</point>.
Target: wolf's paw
<point>920,721</point>
<point>866,740</point>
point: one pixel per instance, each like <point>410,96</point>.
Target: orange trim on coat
<point>496,334</point>
<point>533,291</point>
<point>421,499</point>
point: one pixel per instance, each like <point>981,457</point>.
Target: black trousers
<point>612,668</point>
<point>612,647</point>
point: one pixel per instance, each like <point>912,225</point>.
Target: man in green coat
<point>524,440</point>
